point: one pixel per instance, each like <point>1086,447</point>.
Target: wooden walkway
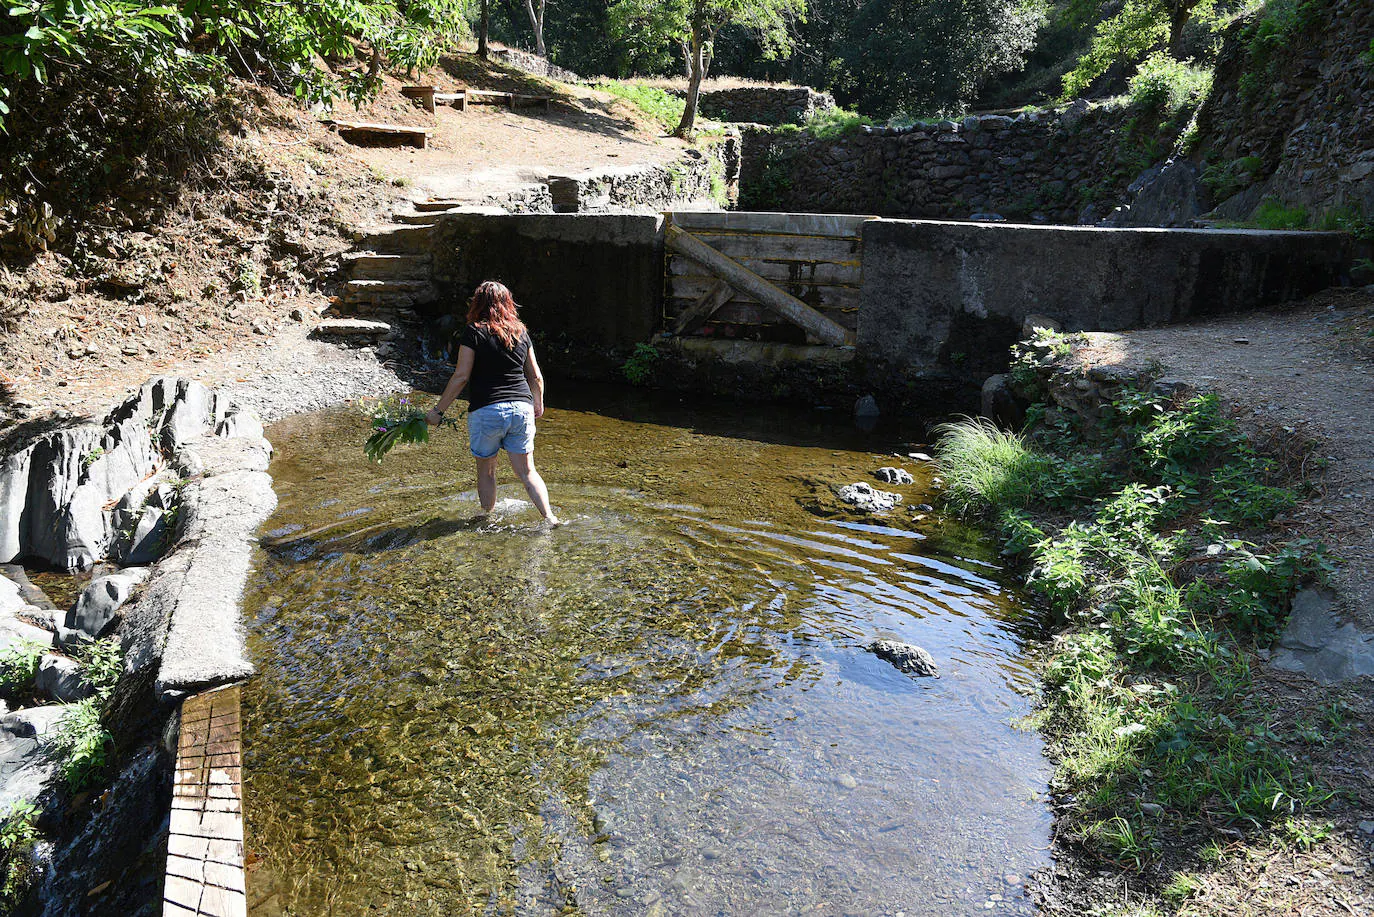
<point>205,844</point>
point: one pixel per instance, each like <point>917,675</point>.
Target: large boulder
<point>26,764</point>
<point>60,679</point>
<point>98,605</point>
<point>868,498</point>
<point>10,599</point>
<point>1169,194</point>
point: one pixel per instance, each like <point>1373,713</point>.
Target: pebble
<point>847,781</point>
<point>1367,827</point>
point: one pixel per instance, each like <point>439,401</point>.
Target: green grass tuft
<point>662,106</point>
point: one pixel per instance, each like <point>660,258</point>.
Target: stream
<point>664,707</point>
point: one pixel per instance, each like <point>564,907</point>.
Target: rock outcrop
<point>905,657</point>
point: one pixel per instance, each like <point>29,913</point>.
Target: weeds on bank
<point>18,835</point>
<point>1130,528</point>
<point>662,106</point>
<point>639,368</point>
<point>19,667</point>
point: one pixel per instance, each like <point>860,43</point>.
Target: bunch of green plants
<point>18,835</point>
<point>1159,600</point>
<point>639,368</point>
<point>19,667</point>
<point>1163,84</point>
<point>102,664</point>
<point>834,122</point>
<point>81,742</point>
<point>662,106</point>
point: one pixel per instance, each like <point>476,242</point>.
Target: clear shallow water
<point>663,707</point>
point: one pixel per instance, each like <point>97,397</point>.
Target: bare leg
<point>523,466</point>
<point>486,482</point>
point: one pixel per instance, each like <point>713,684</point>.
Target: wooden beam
<point>694,317</point>
<point>746,281</point>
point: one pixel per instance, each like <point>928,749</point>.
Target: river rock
<point>867,498</point>
<point>1000,404</point>
<point>16,632</point>
<point>98,604</point>
<point>905,657</point>
<point>30,593</point>
<point>867,406</point>
<point>59,678</point>
<point>26,766</point>
<point>10,599</point>
<point>890,475</point>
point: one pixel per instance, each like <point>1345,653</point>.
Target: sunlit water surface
<point>663,707</point>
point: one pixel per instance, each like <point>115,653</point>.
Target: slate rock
<point>867,406</point>
<point>30,593</point>
<point>890,475</point>
<point>98,604</point>
<point>10,599</point>
<point>907,658</point>
<point>26,766</point>
<point>867,498</point>
<point>60,679</point>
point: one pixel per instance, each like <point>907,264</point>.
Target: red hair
<point>493,308</point>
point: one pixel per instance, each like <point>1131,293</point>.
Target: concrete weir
<point>929,300</point>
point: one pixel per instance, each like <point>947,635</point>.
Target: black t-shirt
<point>498,374</point>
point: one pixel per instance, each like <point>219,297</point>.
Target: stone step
<point>371,266</point>
<point>388,286</point>
<point>352,329</point>
<point>428,218</point>
<point>446,204</point>
<point>394,239</point>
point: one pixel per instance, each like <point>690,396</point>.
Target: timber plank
<point>746,281</point>
<point>822,298</point>
<point>415,136</point>
<point>783,247</point>
<point>808,224</point>
<point>806,273</point>
<point>695,315</point>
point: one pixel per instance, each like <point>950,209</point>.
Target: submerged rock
<point>889,475</point>
<point>905,657</point>
<point>867,498</point>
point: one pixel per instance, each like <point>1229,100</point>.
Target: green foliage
<point>1140,27</point>
<point>1162,84</point>
<point>1224,179</point>
<point>102,666</point>
<point>89,458</point>
<point>647,27</point>
<point>1272,214</point>
<point>639,368</point>
<point>82,743</point>
<point>927,57</point>
<point>1368,56</point>
<point>1147,691</point>
<point>18,667</point>
<point>836,122</point>
<point>18,834</point>
<point>662,106</point>
<point>248,277</point>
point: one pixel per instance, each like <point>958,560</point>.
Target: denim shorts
<point>505,425</point>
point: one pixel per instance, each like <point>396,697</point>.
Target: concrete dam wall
<point>933,299</point>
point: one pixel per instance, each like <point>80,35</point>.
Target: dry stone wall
<point>1038,167</point>
<point>765,104</point>
<point>1289,118</point>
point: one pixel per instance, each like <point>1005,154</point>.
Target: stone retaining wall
<point>765,104</point>
<point>533,63</point>
<point>710,173</point>
<point>1036,167</point>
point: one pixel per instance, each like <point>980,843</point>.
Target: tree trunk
<point>482,50</point>
<point>374,66</point>
<point>695,73</point>
<point>1180,11</point>
<point>537,23</point>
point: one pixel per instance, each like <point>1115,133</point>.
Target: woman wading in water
<point>505,394</point>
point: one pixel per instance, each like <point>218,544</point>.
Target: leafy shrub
<point>1163,84</point>
<point>18,667</point>
<point>18,834</point>
<point>1140,26</point>
<point>639,368</point>
<point>662,106</point>
<point>1271,214</point>
<point>103,664</point>
<point>82,742</point>
<point>827,125</point>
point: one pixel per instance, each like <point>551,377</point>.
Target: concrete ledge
<point>759,353</point>
<point>221,513</point>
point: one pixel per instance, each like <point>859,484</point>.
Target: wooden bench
<point>415,136</point>
<point>430,97</point>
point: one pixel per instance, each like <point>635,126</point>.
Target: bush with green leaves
<point>639,368</point>
<point>1162,84</point>
<point>660,105</point>
<point>82,743</point>
<point>1159,603</point>
<point>834,122</point>
<point>19,667</point>
<point>102,665</point>
<point>18,835</point>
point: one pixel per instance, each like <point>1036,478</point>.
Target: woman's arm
<point>536,380</point>
<point>461,373</point>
